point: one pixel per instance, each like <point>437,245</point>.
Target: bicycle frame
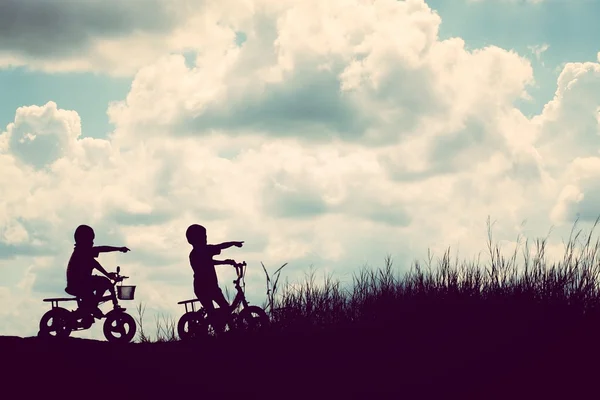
<point>240,297</point>
<point>103,299</point>
<point>219,318</point>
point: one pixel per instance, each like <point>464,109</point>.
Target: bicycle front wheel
<point>253,318</point>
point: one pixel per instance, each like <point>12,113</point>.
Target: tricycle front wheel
<point>119,327</point>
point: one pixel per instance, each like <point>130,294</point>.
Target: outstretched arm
<point>108,249</point>
<point>226,245</point>
<point>224,262</point>
<point>101,269</point>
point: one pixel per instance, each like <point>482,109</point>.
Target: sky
<point>325,135</point>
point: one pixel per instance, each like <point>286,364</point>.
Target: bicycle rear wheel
<point>191,325</point>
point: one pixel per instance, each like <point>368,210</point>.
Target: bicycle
<point>194,324</point>
<point>60,322</point>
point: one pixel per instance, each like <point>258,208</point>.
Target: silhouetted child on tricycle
<point>80,281</point>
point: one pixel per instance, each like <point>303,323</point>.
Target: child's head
<point>196,235</point>
<point>84,236</point>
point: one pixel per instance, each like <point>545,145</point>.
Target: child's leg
<point>87,300</point>
<point>220,299</point>
<point>201,295</point>
<point>85,292</point>
<point>223,311</point>
<point>206,297</point>
<point>102,285</point>
<point>207,303</point>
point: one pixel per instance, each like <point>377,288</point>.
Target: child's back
<point>201,261</point>
<point>81,265</point>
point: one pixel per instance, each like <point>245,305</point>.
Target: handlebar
<point>239,268</point>
<point>118,277</point>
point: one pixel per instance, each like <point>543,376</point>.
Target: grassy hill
<point>503,330</point>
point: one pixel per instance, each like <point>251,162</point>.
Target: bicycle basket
<point>125,292</point>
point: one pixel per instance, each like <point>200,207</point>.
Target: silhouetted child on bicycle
<point>206,284</point>
<point>80,281</point>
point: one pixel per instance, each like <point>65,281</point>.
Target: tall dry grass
<point>517,288</point>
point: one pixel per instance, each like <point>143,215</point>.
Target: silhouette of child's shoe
<point>97,313</point>
<point>87,321</point>
<point>118,308</point>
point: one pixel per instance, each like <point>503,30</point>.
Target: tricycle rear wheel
<point>55,323</point>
